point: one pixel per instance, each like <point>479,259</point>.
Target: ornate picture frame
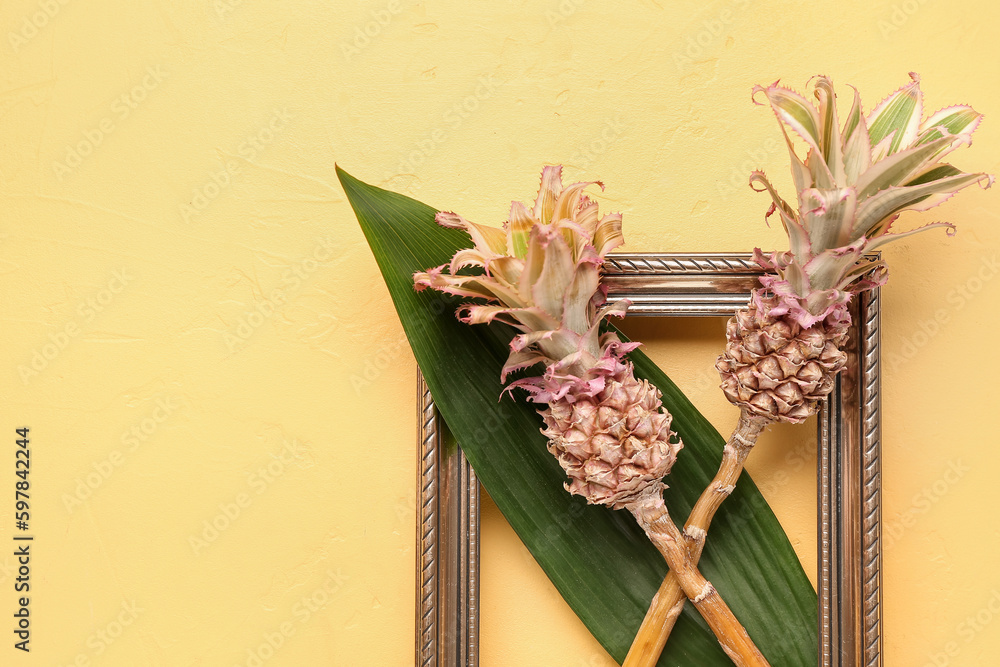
<point>848,473</point>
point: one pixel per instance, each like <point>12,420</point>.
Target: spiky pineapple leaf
<point>857,146</point>
<point>598,559</point>
<point>898,117</point>
<point>899,167</point>
<point>876,210</point>
<point>956,120</point>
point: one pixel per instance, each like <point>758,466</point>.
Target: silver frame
<point>848,471</point>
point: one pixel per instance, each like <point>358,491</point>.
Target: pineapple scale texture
<point>774,367</point>
<point>615,444</point>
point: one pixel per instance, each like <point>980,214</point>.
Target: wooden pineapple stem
<point>668,602</point>
<point>651,513</point>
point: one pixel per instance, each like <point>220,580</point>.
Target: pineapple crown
<point>540,274</point>
<point>854,182</point>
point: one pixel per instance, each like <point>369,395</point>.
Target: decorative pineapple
<point>776,368</point>
<point>615,444</point>
<point>541,275</point>
<point>784,350</point>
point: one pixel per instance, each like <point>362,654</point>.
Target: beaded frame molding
<point>848,473</point>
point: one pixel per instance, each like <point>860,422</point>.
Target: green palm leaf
<point>598,559</point>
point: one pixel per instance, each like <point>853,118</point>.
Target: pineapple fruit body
<point>541,275</point>
<point>775,368</point>
<point>614,444</point>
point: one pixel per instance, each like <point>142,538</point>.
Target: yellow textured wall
<point>220,398</point>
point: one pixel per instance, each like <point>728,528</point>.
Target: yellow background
<point>196,332</point>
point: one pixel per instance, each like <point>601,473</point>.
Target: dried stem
<point>651,513</point>
<point>668,602</point>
